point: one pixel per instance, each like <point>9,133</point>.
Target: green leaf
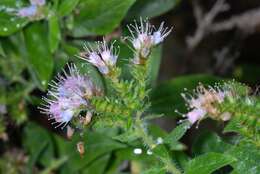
<point>34,157</point>
<point>208,163</point>
<point>2,52</point>
<point>151,8</point>
<point>40,61</point>
<point>66,7</point>
<point>54,32</point>
<point>233,126</point>
<point>166,97</point>
<point>155,170</point>
<point>248,158</point>
<point>96,145</point>
<point>99,16</point>
<point>126,137</point>
<point>121,155</point>
<point>98,166</point>
<point>175,135</point>
<point>55,164</point>
<point>156,131</point>
<point>209,142</point>
<point>161,151</point>
<point>13,63</point>
<point>10,24</point>
<point>178,132</point>
<point>34,137</point>
<point>154,65</point>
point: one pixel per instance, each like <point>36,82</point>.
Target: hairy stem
<point>148,140</point>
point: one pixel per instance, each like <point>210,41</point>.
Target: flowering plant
<point>102,110</point>
<point>76,102</point>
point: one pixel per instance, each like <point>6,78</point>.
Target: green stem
<point>148,140</point>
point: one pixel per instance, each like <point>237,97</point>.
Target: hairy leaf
<point>208,163</point>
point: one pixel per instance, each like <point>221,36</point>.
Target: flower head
<point>144,37</point>
<point>27,11</point>
<point>68,94</point>
<point>160,34</point>
<point>204,101</point>
<point>33,11</point>
<point>37,2</point>
<point>104,57</point>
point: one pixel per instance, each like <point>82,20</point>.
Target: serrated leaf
<point>248,158</point>
<point>99,16</point>
<point>178,132</point>
<point>40,61</point>
<point>209,142</point>
<point>208,163</point>
<point>66,7</point>
<point>232,126</point>
<point>175,135</point>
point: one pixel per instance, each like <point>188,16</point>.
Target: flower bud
<point>87,119</point>
<point>70,132</point>
<point>80,148</point>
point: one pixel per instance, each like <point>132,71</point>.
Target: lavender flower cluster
<point>72,92</point>
<point>144,37</point>
<point>32,10</point>
<point>68,96</point>
<point>104,58</point>
<point>203,103</point>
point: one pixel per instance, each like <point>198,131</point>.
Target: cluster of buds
<point>68,96</point>
<point>104,57</point>
<point>144,37</point>
<point>33,11</point>
<point>204,103</point>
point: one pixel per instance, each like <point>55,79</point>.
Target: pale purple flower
<point>141,34</point>
<point>29,11</point>
<point>108,54</point>
<point>144,36</point>
<point>104,57</point>
<point>195,115</point>
<point>37,2</point>
<point>161,34</point>
<point>68,94</point>
<point>203,101</point>
<point>32,10</point>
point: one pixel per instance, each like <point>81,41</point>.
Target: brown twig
<point>205,21</point>
<point>246,22</point>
